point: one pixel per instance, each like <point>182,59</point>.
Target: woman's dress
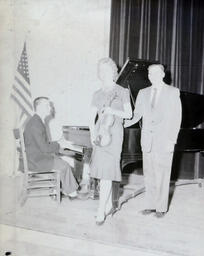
<point>105,161</point>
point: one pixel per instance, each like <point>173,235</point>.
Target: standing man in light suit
<point>159,106</point>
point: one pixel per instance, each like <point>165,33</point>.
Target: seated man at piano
<point>159,106</point>
<point>43,154</point>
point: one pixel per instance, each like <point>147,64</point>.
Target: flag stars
<point>23,65</point>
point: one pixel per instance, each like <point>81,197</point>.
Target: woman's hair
<point>111,63</point>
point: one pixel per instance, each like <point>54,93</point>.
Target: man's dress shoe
<point>83,196</point>
<point>160,214</point>
<point>147,211</point>
<point>71,198</point>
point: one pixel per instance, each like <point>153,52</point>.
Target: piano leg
<point>197,179</point>
<point>197,168</point>
<point>94,188</point>
<point>115,193</point>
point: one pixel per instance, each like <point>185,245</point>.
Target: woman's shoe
<point>99,223</point>
<point>112,211</point>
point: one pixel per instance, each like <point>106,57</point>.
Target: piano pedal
<point>200,182</point>
<point>94,195</point>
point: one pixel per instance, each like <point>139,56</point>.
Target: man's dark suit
<point>41,154</point>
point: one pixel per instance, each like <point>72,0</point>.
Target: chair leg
<point>58,188</point>
<point>23,197</point>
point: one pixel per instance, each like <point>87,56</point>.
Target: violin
<point>103,128</point>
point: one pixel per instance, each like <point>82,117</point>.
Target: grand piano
<point>188,162</point>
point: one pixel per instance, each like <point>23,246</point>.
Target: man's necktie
<point>154,95</point>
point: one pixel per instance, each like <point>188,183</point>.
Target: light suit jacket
<point>160,126</point>
<point>39,150</point>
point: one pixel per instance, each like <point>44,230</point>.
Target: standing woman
<point>110,105</point>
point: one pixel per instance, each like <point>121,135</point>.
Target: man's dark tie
<point>154,96</point>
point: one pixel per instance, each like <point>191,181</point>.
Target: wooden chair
<point>38,183</point>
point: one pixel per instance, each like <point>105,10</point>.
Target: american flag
<point>21,93</point>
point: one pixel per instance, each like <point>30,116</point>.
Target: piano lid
<point>134,75</point>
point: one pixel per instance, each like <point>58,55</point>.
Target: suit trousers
<point>157,171</point>
<point>67,178</point>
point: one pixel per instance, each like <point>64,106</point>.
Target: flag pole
<point>21,96</point>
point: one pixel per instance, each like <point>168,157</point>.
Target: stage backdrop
<point>168,31</point>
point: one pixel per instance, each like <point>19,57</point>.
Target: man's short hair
<point>38,100</point>
<point>160,66</point>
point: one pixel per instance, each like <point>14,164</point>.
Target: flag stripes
<point>21,93</point>
<point>17,79</point>
<point>23,97</point>
<point>23,109</point>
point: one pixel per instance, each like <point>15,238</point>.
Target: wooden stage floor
<point>180,232</point>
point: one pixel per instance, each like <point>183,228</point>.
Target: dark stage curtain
<point>168,31</point>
